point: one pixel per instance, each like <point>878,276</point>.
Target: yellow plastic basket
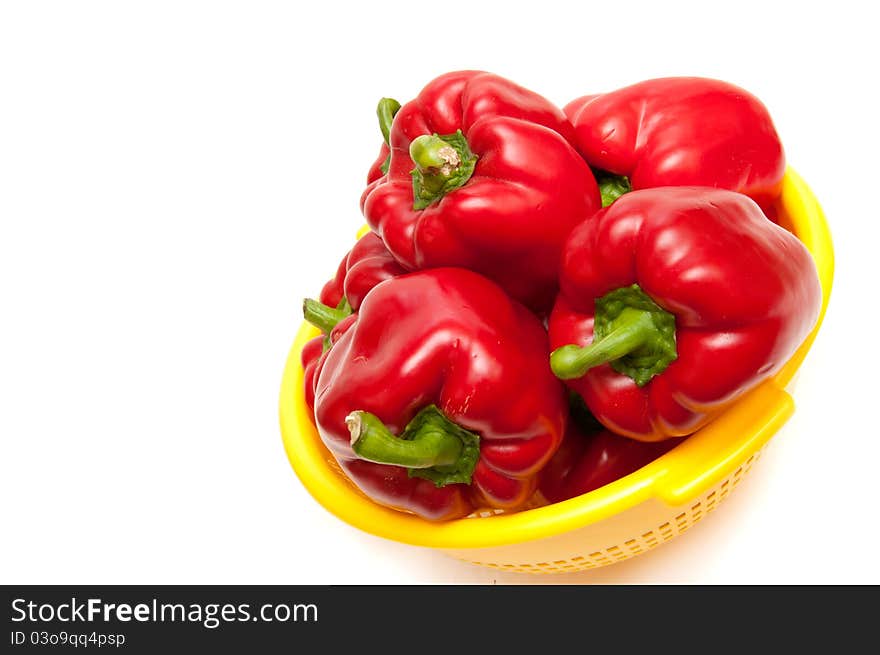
<point>620,520</point>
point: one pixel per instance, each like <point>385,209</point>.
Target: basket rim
<point>676,478</point>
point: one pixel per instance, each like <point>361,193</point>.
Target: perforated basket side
<point>626,535</point>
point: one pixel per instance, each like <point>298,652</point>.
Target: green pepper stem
<point>321,316</point>
<point>434,155</point>
<point>444,163</point>
<point>429,446</point>
<point>611,186</point>
<point>387,109</point>
<point>633,328</point>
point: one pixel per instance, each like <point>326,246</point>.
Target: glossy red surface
<point>367,264</point>
<point>452,338</point>
<point>528,189</point>
<point>588,461</point>
<point>744,293</point>
<point>681,131</point>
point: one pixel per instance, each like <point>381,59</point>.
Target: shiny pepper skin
<point>451,338</point>
<point>508,217</point>
<point>743,292</point>
<point>682,131</point>
<point>367,264</point>
<point>585,462</point>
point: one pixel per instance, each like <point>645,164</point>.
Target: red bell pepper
<point>334,320</point>
<point>679,131</point>
<point>367,264</point>
<point>309,356</point>
<point>483,176</point>
<point>673,303</point>
<point>437,398</point>
<point>585,462</point>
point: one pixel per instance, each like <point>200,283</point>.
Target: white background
<point>176,176</point>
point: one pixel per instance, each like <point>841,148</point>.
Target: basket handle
<point>717,450</point>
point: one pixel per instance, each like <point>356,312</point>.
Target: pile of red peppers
<point>550,298</point>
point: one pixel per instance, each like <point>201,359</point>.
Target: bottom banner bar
<point>279,618</point>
